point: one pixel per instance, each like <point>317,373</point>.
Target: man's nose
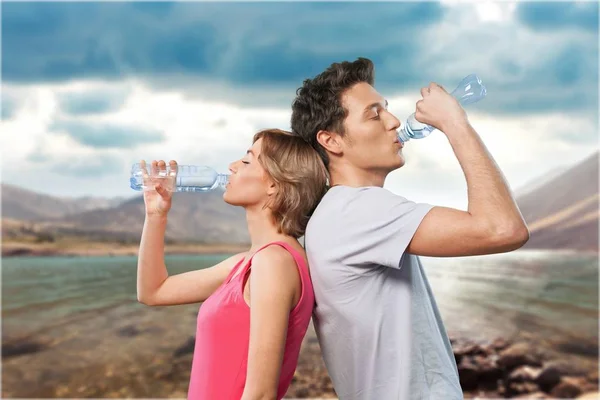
<point>392,122</point>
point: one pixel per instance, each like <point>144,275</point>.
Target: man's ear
<point>331,141</point>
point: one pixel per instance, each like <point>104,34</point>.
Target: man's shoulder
<point>342,198</point>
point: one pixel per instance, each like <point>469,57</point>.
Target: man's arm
<point>493,222</point>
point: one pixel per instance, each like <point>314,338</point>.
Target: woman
<point>256,305</point>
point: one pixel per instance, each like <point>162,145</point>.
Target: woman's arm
<point>154,285</point>
<point>275,286</point>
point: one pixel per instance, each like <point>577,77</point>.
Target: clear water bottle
<point>468,91</point>
<point>187,178</point>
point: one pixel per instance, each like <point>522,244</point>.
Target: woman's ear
<point>332,142</point>
<point>272,189</point>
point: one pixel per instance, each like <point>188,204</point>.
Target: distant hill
<point>197,217</point>
<point>563,212</point>
<point>561,209</point>
<point>194,217</point>
<point>23,204</point>
<point>539,181</point>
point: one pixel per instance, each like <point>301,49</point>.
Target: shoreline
<point>83,248</point>
<point>108,249</point>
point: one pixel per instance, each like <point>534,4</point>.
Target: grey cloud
<point>93,102</point>
<point>106,135</point>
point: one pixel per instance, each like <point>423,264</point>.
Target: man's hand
<point>440,109</point>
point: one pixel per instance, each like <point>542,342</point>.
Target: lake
<point>69,321</point>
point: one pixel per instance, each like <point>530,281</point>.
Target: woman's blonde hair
<point>299,175</point>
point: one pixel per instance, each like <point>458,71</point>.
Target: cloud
<point>106,84</point>
<point>525,71</point>
<point>80,166</point>
<point>99,165</point>
<point>8,106</point>
<point>102,135</point>
<point>94,102</point>
<point>559,15</point>
<point>263,51</point>
<point>241,43</point>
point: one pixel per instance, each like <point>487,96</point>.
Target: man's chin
<point>400,161</point>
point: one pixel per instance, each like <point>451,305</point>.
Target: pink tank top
<point>223,335</point>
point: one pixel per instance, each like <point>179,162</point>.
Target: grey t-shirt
<point>376,319</point>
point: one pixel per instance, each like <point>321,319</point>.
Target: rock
<point>552,372</point>
<point>524,373</point>
<point>565,367</point>
<point>497,345</point>
<point>479,372</point>
<point>489,373</point>
<point>517,355</point>
<point>468,374</point>
<point>186,348</point>
<point>568,387</point>
<point>22,347</point>
<point>548,378</point>
<point>128,331</point>
<point>469,349</point>
<point>520,388</point>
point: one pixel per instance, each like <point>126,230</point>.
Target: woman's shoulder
<point>281,255</point>
<point>276,253</point>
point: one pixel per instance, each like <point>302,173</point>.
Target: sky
<point>88,89</point>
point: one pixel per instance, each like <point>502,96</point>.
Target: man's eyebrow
<point>376,104</point>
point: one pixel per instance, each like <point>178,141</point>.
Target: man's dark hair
<point>318,102</point>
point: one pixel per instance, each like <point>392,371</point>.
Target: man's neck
<point>347,175</point>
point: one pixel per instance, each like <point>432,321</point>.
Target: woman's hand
<point>159,187</point>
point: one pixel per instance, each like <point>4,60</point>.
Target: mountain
<point>561,209</point>
<point>563,212</point>
<point>23,204</point>
<point>196,217</point>
<point>539,181</point>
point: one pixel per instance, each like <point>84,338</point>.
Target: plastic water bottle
<point>468,91</point>
<point>188,178</point>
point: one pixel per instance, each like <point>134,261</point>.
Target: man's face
<point>370,140</point>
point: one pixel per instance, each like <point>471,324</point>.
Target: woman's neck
<point>262,228</point>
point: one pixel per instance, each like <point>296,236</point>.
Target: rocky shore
<point>155,362</point>
<point>501,369</point>
<point>498,369</point>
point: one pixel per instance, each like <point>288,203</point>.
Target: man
<point>377,321</point>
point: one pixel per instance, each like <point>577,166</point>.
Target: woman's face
<point>249,183</point>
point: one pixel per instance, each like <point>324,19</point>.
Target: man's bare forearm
<point>490,198</point>
<point>151,271</point>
